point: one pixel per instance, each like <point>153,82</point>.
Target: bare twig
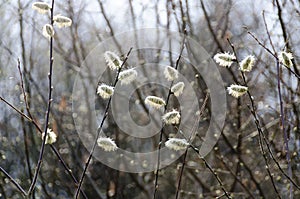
<point>209,25</point>
<point>236,177</point>
<point>23,124</point>
<point>186,151</point>
<point>268,33</point>
<point>282,115</point>
<point>212,171</point>
<point>17,110</point>
<point>13,181</point>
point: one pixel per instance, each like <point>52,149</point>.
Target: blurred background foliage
<point>236,157</point>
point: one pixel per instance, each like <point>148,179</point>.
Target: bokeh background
<point>236,157</point>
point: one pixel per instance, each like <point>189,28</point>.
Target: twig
<point>288,157</point>
<point>186,151</point>
<point>268,33</point>
<point>271,53</point>
<point>17,110</point>
<point>212,171</point>
<point>256,122</point>
<point>23,124</point>
<point>285,37</point>
<point>26,148</point>
<point>236,177</point>
<point>39,164</point>
<point>13,181</point>
<point>161,132</point>
<point>281,107</point>
<point>99,129</point>
<point>69,171</point>
<point>181,174</point>
<point>209,26</point>
<point>111,30</point>
<point>23,89</point>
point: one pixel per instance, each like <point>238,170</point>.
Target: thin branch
<point>13,181</point>
<point>17,110</point>
<point>256,122</point>
<point>99,129</point>
<point>161,132</point>
<point>282,115</point>
<point>284,33</point>
<point>268,33</point>
<point>212,171</point>
<point>209,26</point>
<point>271,53</point>
<point>289,177</point>
<point>236,177</point>
<point>261,44</point>
<point>39,164</point>
<point>186,151</point>
<point>181,174</point>
<point>23,124</point>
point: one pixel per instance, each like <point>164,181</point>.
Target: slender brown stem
<point>181,174</point>
<point>99,129</point>
<point>67,169</point>
<point>282,115</point>
<point>161,132</point>
<point>256,122</point>
<point>13,181</point>
<point>23,124</point>
<point>209,25</point>
<point>289,176</point>
<point>23,89</point>
<point>273,54</point>
<point>236,177</point>
<point>268,33</point>
<point>212,171</point>
<point>186,151</point>
<point>39,164</point>
<point>17,110</point>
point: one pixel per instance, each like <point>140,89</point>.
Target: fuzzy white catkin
<point>224,59</point>
<point>127,76</point>
<point>48,31</point>
<point>237,90</point>
<point>247,64</point>
<point>105,91</point>
<point>177,88</point>
<point>155,102</point>
<point>112,60</point>
<point>107,144</point>
<point>172,117</point>
<point>286,58</point>
<point>62,21</point>
<point>51,137</point>
<point>170,73</point>
<point>176,144</point>
<point>41,7</point>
